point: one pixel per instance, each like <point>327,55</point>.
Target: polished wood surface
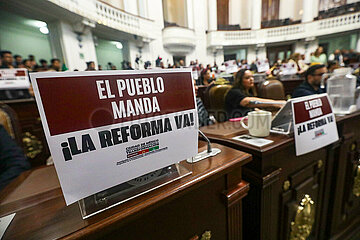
<point>224,132</point>
<point>279,180</point>
<point>210,199</point>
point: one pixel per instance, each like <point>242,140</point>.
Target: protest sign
<point>314,123</point>
<point>231,66</point>
<point>14,78</point>
<point>262,65</point>
<point>288,68</point>
<point>105,128</point>
<point>195,72</point>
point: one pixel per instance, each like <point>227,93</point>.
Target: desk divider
<point>124,192</point>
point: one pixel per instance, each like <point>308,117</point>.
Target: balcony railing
<point>327,26</point>
<point>343,20</point>
<point>107,15</point>
<point>284,31</point>
<point>117,17</point>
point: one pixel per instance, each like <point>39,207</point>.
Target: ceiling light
<point>119,45</point>
<point>36,23</point>
<point>44,30</point>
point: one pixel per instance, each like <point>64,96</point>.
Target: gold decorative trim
<point>356,188</point>
<point>304,219</point>
<point>320,163</point>
<point>286,185</point>
<point>353,146</point>
<point>206,235</point>
<point>32,145</point>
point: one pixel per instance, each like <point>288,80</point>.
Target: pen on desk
<point>265,103</point>
<point>237,119</point>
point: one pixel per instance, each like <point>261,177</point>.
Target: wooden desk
<point>342,173</point>
<point>208,200</point>
<point>278,182</point>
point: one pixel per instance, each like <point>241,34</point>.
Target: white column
<point>130,6</point>
<point>76,50</point>
<point>358,43</point>
<point>256,14</point>
<point>307,11</point>
<point>316,8</point>
<point>55,40</point>
<point>251,54</point>
<point>143,8</point>
<point>212,15</point>
<point>190,13</point>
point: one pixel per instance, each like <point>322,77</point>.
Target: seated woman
<point>240,99</point>
<point>205,76</point>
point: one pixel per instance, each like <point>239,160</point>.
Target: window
<point>175,13</point>
<point>115,3</point>
<point>222,13</point>
<point>325,5</point>
<point>270,10</point>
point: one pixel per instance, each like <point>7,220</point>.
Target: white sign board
<point>288,68</point>
<point>14,78</point>
<point>262,65</point>
<point>195,73</point>
<point>245,66</point>
<point>314,123</point>
<point>231,66</point>
<point>4,223</point>
<point>106,128</point>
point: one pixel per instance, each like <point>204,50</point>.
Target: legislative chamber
<point>180,119</point>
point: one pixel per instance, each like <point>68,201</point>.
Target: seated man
<point>6,59</point>
<point>312,82</point>
<point>12,159</point>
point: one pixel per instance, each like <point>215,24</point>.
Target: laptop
<point>283,121</point>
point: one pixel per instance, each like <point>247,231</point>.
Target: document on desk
<point>258,142</point>
<point>108,127</point>
<point>4,223</point>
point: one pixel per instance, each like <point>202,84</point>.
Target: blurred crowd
<point>203,74</point>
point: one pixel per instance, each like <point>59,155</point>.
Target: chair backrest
<point>9,120</point>
<point>272,89</point>
<point>217,101</point>
<point>206,96</point>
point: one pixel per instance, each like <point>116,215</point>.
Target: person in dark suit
<point>312,82</point>
<point>6,59</point>
<point>12,159</point>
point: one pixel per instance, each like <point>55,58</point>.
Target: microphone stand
<point>208,141</point>
<point>209,152</point>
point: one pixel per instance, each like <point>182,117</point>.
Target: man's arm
<point>12,159</point>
